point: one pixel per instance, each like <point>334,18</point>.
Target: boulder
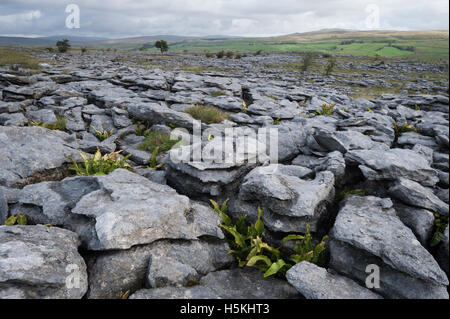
<point>40,262</point>
<point>314,282</point>
<point>33,153</point>
<point>367,232</point>
<point>393,164</point>
<point>226,284</point>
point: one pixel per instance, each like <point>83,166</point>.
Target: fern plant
<point>249,249</point>
<point>99,165</point>
<point>441,224</point>
<point>405,128</point>
<point>102,135</point>
<point>327,110</point>
<point>154,164</point>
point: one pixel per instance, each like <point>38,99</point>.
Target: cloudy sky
<point>124,18</point>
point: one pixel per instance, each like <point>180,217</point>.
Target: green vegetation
<point>441,224</point>
<point>405,128</point>
<point>158,140</point>
<point>100,165</point>
<point>154,164</point>
<point>140,131</point>
<point>330,66</point>
<point>326,110</point>
<point>63,46</point>
<point>348,191</point>
<point>249,249</point>
<point>162,46</point>
<point>15,58</point>
<point>217,93</point>
<point>308,60</point>
<point>18,219</point>
<point>207,114</point>
<point>101,136</point>
<point>60,124</point>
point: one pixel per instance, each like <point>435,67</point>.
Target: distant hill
<point>47,41</point>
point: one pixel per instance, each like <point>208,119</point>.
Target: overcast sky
<point>124,18</point>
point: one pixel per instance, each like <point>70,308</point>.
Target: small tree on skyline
<point>63,46</point>
<point>162,45</point>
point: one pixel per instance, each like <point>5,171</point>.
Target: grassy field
<point>431,45</point>
<point>16,58</point>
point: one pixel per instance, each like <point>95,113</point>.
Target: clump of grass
<point>327,110</point>
<point>101,136</point>
<point>207,114</point>
<point>220,54</point>
<point>218,93</point>
<point>348,191</point>
<point>100,165</point>
<point>60,124</point>
<point>14,58</point>
<point>158,140</point>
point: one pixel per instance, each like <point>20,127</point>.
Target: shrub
<point>83,50</point>
<point>100,165</point>
<point>209,55</point>
<point>158,140</point>
<point>16,220</point>
<point>247,245</point>
<point>330,66</point>
<point>220,54</point>
<point>101,136</point>
<point>308,60</point>
<point>162,46</point>
<point>258,52</point>
<point>229,54</point>
<point>207,114</point>
<point>63,46</point>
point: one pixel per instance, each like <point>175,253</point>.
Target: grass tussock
<point>158,140</point>
<point>207,114</point>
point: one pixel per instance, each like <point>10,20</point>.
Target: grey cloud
<point>121,18</point>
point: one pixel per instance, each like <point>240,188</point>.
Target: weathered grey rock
<point>315,282</point>
<point>31,152</point>
<point>420,221</point>
<point>284,191</point>
<point>414,194</point>
<point>42,116</point>
<point>226,284</point>
<point>13,119</point>
<point>3,208</point>
<point>393,164</point>
<point>367,231</point>
<point>119,210</point>
<point>344,141</point>
<point>113,273</point>
<point>38,262</point>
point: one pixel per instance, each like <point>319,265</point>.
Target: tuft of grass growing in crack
<point>158,140</point>
<point>207,114</point>
<point>405,128</point>
<point>348,191</point>
<point>60,124</point>
<point>217,93</point>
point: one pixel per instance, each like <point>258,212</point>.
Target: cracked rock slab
<point>37,261</point>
